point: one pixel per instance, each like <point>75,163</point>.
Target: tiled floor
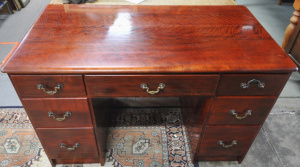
<point>13,28</point>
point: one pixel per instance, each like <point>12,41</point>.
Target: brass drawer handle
<point>51,114</point>
<point>253,81</point>
<point>236,115</point>
<point>234,142</point>
<point>160,87</point>
<point>63,145</point>
<point>50,92</point>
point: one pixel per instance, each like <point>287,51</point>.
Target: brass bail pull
<point>253,81</point>
<point>50,92</point>
<point>234,142</point>
<point>63,145</point>
<point>65,116</point>
<point>236,115</point>
<point>161,86</point>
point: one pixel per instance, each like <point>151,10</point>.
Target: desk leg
<point>195,111</point>
<point>100,111</point>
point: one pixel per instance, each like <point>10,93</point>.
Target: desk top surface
<point>147,39</point>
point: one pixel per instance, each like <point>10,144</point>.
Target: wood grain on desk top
<point>147,39</point>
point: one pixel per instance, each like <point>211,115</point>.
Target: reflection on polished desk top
<point>221,64</point>
<point>139,39</point>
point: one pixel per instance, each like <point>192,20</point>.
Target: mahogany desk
<point>219,61</point>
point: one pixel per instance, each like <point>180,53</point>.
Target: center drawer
<point>150,85</point>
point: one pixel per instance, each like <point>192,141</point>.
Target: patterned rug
<point>19,145</point>
<point>139,138</point>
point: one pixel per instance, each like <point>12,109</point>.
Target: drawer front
<point>27,85</point>
<point>58,112</point>
<point>100,85</point>
<point>248,84</point>
<point>214,136</point>
<point>52,139</point>
<point>76,161</point>
<point>241,110</point>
